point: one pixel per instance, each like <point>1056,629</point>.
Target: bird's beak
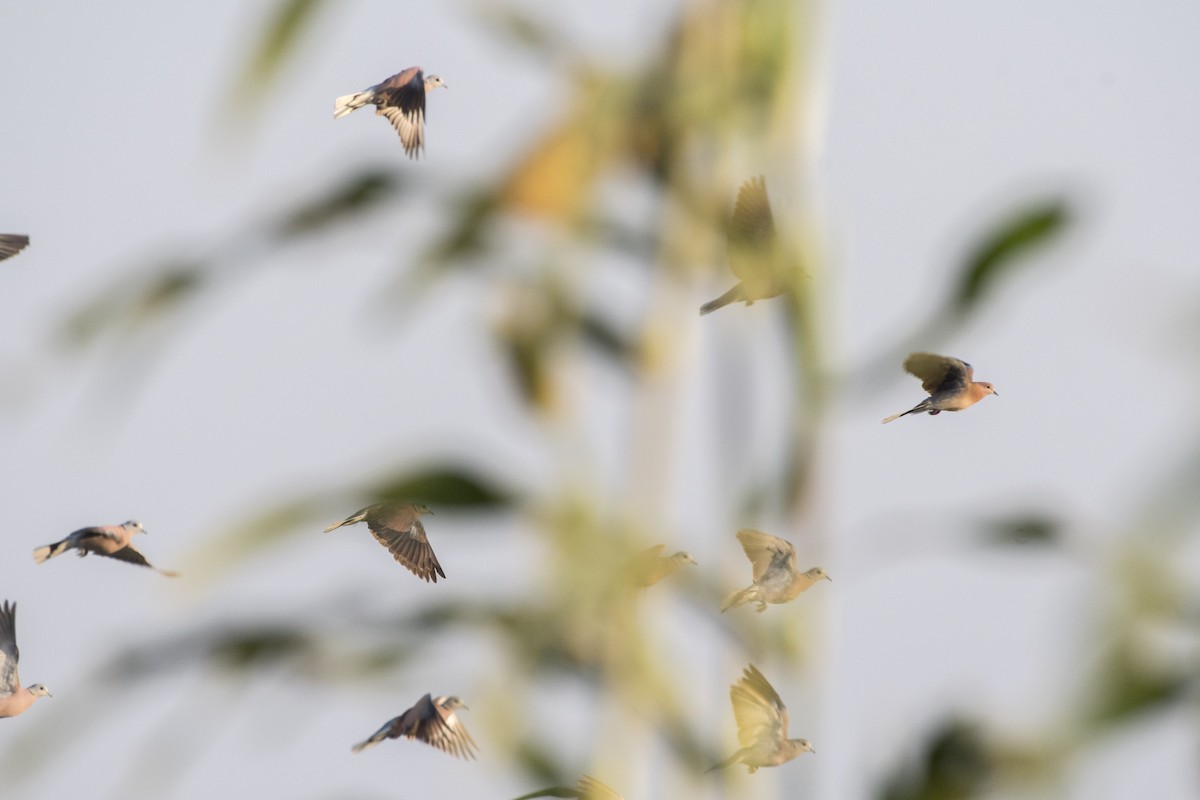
<point>995,393</point>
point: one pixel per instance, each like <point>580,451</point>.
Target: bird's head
<point>421,508</point>
<point>983,388</point>
<point>685,557</point>
<point>452,703</point>
<point>818,574</point>
<point>434,82</point>
<point>801,746</point>
<point>39,690</point>
<point>133,525</point>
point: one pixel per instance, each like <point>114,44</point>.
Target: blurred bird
<point>588,788</point>
<point>400,98</point>
<point>776,577</point>
<point>756,255</point>
<point>762,721</point>
<point>11,244</point>
<point>948,381</point>
<point>111,541</point>
<point>651,566</point>
<point>431,720</point>
<point>14,698</point>
<point>397,527</point>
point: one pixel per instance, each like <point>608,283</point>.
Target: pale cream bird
<point>397,526</point>
<point>432,721</point>
<point>762,721</point>
<point>110,541</point>
<point>650,566</point>
<point>14,698</point>
<point>949,381</point>
<point>11,244</point>
<point>588,788</point>
<point>776,578</point>
<point>762,263</point>
<point>401,99</point>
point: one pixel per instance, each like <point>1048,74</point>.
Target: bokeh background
<point>239,321</point>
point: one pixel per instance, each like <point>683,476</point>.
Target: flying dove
<point>651,566</point>
<point>11,244</point>
<point>400,98</point>
<point>14,698</point>
<point>397,527</point>
<point>948,381</point>
<point>756,255</point>
<point>775,575</point>
<point>111,541</point>
<point>432,721</point>
<point>762,721</point>
<point>588,788</point>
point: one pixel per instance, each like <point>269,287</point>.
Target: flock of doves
<point>764,269</point>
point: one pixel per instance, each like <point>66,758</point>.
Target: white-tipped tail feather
<point>51,550</point>
<point>349,102</point>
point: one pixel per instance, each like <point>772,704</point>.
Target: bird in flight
<point>14,698</point>
<point>110,541</point>
<point>400,98</point>
<point>776,578</point>
<point>762,721</point>
<point>397,526</point>
<point>432,721</point>
<point>949,381</point>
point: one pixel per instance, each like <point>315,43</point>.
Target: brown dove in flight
<point>110,541</point>
<point>776,578</point>
<point>400,98</point>
<point>431,720</point>
<point>762,721</point>
<point>949,382</point>
<point>651,566</point>
<point>14,698</point>
<point>757,257</point>
<point>11,244</point>
<point>397,526</point>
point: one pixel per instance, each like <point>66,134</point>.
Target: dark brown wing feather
<point>751,229</point>
<point>410,547</point>
<point>401,100</point>
<point>11,244</point>
<point>938,373</point>
<point>129,555</point>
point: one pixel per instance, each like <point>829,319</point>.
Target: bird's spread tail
<point>349,102</point>
<point>732,296</point>
<point>739,598</point>
<point>51,550</point>
<point>365,743</point>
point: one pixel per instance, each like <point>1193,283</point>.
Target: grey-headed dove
<point>111,541</point>
<point>651,566</point>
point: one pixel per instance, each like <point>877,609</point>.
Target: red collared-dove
<point>431,720</point>
<point>762,721</point>
<point>400,98</point>
<point>111,541</point>
<point>11,244</point>
<point>398,528</point>
<point>758,258</point>
<point>14,698</point>
<point>775,574</point>
<point>650,566</point>
<point>949,382</point>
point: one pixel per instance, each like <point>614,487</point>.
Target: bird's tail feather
<point>729,762</point>
<point>739,598</point>
<point>732,296</point>
<point>359,517</point>
<point>365,743</point>
<point>349,102</point>
<point>51,550</point>
<point>915,410</point>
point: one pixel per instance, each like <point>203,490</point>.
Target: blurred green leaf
<point>1005,247</point>
<point>352,198</point>
<point>1023,529</point>
<point>130,303</point>
<point>280,38</point>
<point>955,764</point>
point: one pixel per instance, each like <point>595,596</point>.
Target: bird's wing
<point>751,229</point>
<point>11,244</point>
<point>766,551</point>
<point>592,789</point>
<point>440,728</point>
<point>403,103</point>
<point>758,709</point>
<point>130,555</point>
<point>938,372</point>
<point>10,680</point>
<point>410,547</point>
